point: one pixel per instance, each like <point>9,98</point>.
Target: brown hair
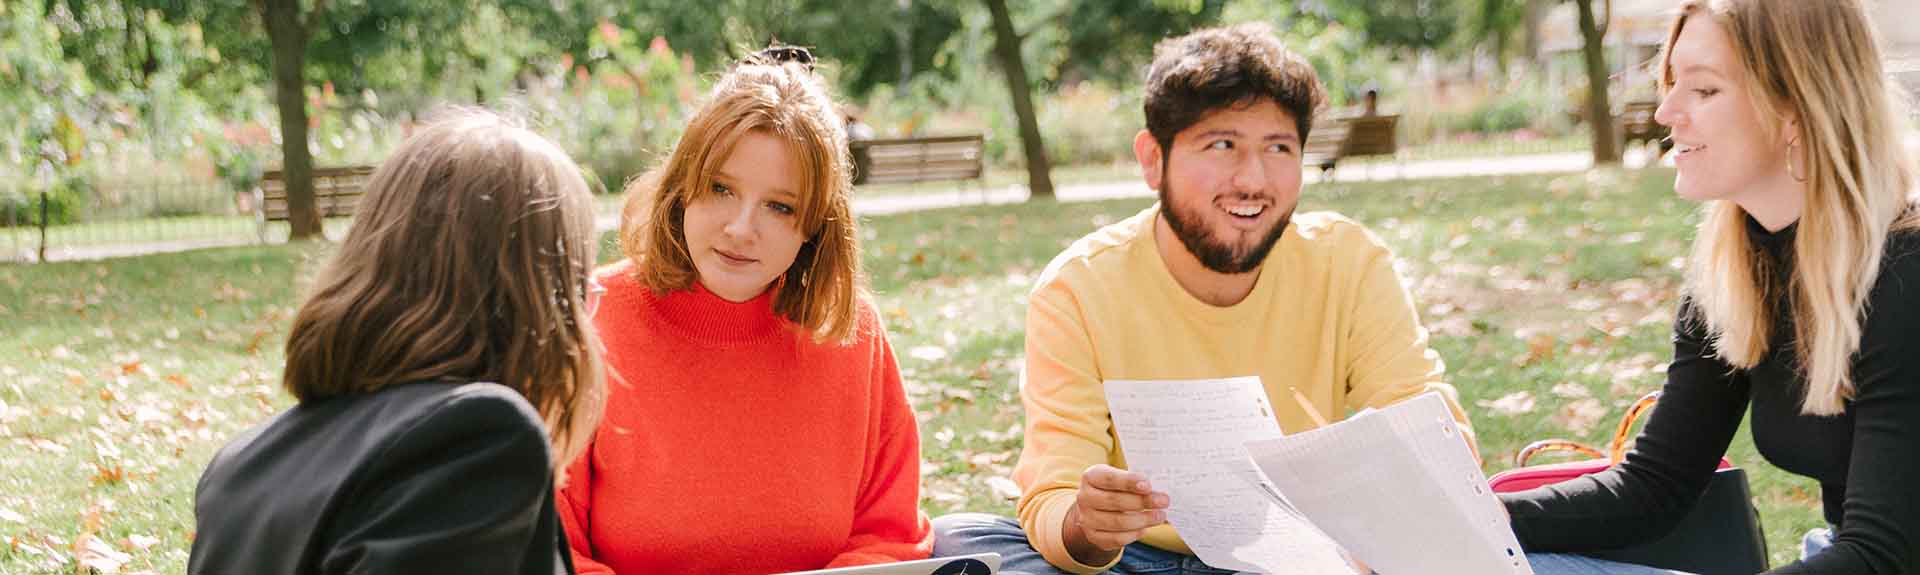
<point>1213,68</point>
<point>469,260</point>
<point>820,291</point>
<point>1819,61</point>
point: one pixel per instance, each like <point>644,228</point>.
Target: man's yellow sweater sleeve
<point>1388,358</point>
<point>1068,428</point>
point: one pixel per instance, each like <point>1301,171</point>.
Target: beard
<point>1214,253</point>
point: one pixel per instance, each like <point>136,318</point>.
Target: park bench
<point>925,159</point>
<point>1338,137</point>
<point>336,191</point>
<point>1637,125</point>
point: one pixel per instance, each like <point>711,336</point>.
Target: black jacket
<point>418,478</point>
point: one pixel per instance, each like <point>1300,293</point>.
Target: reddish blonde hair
<point>820,292</point>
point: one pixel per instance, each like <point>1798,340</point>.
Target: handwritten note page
<point>1399,488</point>
<point>1189,438</point>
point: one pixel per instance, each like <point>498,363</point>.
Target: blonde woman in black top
<point>1802,304</point>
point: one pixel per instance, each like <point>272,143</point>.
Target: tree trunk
<point>148,65</point>
<point>1606,148</point>
<point>1536,17</point>
<point>903,40</point>
<point>1500,50</point>
<point>289,37</point>
<point>1006,47</point>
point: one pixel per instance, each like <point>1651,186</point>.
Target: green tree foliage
<point>859,39</point>
<point>1494,23</point>
<point>1400,24</point>
<point>926,66</point>
<point>41,87</point>
<point>211,49</point>
<point>1114,40</point>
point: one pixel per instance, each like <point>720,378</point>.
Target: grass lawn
<point>1495,146</point>
<point>1550,298</point>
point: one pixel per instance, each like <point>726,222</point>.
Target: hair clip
<point>784,54</point>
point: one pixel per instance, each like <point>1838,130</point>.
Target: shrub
<point>21,207</point>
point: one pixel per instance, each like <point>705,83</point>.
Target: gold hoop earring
<point>1795,143</point>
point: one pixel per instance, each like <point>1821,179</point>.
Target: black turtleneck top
<point>1867,459</point>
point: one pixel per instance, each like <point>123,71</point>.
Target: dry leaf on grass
<point>928,353</point>
<point>1571,390</point>
<point>1539,348</point>
<point>44,444</point>
<point>1003,487</point>
<point>1510,404</point>
<point>137,541</point>
<point>101,556</point>
<point>1580,416</point>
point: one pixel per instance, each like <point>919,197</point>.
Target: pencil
<point>1312,413</point>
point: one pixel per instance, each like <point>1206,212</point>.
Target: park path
<point>967,195</point>
<point>947,196</point>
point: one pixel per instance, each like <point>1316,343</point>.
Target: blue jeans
<point>1570,564</point>
<point>1817,540</point>
<point>964,533</point>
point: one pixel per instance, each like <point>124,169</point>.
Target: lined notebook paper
<point>1188,438</point>
<point>1397,488</point>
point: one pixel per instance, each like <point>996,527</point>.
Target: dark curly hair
<point>1214,68</point>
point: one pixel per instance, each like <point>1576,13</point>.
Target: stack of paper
<point>1398,488</point>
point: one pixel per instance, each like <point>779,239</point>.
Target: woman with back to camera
<point>445,368</point>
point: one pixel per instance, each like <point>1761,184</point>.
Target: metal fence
<point>42,223</point>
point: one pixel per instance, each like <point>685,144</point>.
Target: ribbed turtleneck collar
<point>707,318</point>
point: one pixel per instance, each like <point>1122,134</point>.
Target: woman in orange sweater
<point>756,422</point>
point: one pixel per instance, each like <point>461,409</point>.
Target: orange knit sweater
<point>732,443</point>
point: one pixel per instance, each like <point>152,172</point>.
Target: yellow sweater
<point>1328,316</point>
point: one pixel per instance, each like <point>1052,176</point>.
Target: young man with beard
<point>1219,279</point>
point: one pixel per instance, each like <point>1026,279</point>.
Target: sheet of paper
<point>1189,438</point>
<point>1399,488</point>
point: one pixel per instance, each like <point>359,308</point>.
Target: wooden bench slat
<point>1338,137</point>
<point>898,155</point>
<point>897,178</point>
<point>932,170</point>
<point>923,160</point>
<point>880,179</point>
<point>919,159</point>
<point>891,153</point>
<point>336,192</point>
<point>975,138</point>
<point>1637,124</point>
<point>881,167</point>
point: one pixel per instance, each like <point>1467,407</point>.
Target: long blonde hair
<point>1819,61</point>
<point>469,260</point>
<point>820,292</point>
